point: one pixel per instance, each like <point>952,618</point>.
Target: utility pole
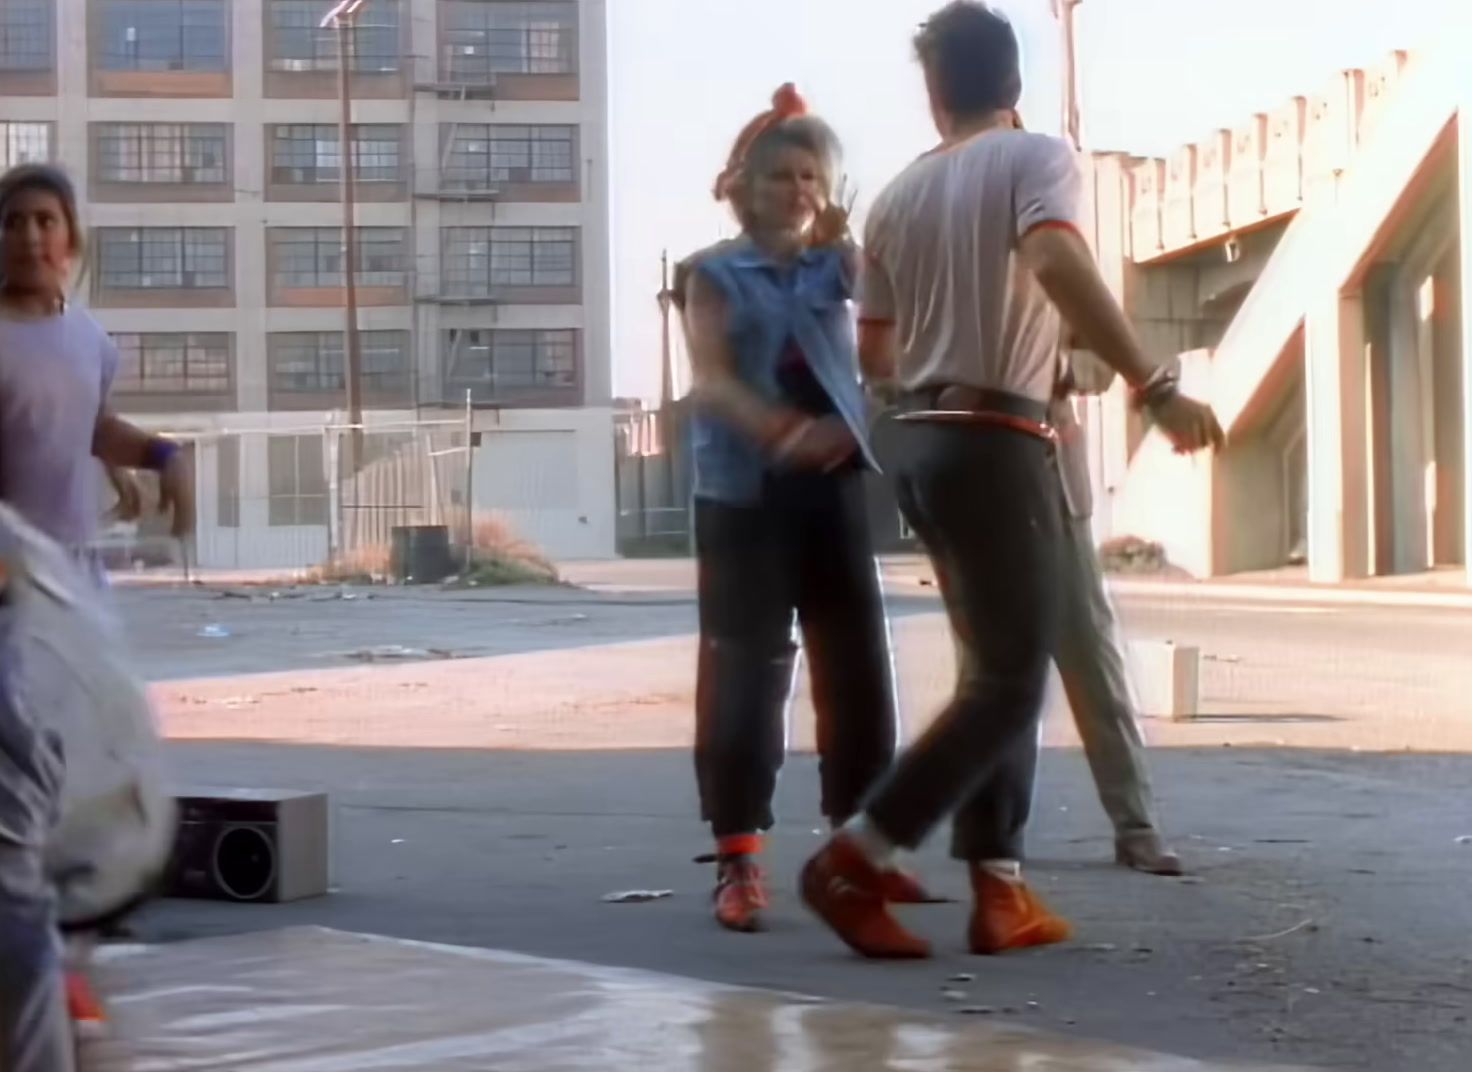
<point>341,18</point>
<point>667,422</point>
<point>666,302</point>
<point>1065,11</point>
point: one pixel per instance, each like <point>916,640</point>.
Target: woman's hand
<point>176,494</point>
<point>831,218</point>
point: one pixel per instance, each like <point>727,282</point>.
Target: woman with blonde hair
<point>781,527</point>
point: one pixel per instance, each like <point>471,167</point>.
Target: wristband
<point>158,453</point>
<point>1162,385</point>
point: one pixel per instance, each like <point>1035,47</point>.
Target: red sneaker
<point>740,894</point>
<point>1009,915</point>
<point>88,1016</point>
<point>846,892</point>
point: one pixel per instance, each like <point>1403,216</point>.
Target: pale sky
<point>1156,74</point>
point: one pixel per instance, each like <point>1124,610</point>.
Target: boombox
<point>252,845</point>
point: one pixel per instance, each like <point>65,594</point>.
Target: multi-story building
<point>203,137</point>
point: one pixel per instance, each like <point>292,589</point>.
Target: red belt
<point>975,405</point>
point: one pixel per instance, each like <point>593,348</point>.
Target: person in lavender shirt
<point>56,368</point>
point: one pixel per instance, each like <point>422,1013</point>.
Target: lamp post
<point>1065,11</point>
<point>341,19</point>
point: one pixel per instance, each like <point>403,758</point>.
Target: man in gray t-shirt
<point>974,261</point>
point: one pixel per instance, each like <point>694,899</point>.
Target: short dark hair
<point>970,53</point>
<point>51,179</point>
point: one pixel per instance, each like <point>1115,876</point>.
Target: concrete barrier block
<point>1167,678</point>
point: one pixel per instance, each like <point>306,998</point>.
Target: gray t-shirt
<point>55,375</point>
<point>942,263</point>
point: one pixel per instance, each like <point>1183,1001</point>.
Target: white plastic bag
<point>118,821</point>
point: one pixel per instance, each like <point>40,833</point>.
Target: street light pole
<point>1065,11</point>
<point>341,18</point>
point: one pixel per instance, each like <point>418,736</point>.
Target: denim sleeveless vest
<point>808,301</point>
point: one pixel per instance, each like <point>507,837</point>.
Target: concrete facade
<point>1308,271</point>
<point>480,134</point>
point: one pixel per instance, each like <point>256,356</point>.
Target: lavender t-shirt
<point>55,375</point>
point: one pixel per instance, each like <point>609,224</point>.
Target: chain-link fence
<point>302,498</point>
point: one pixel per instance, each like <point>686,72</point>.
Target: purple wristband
<point>159,453</point>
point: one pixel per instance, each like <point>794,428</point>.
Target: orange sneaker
<point>741,894</point>
<point>1008,915</point>
<point>846,892</point>
<point>88,1016</point>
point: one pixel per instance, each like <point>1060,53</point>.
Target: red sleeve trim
<point>1057,225</point>
<point>876,321</point>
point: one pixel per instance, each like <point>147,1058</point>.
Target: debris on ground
<point>213,632</point>
<point>1307,925</point>
<point>636,896</point>
<point>382,653</point>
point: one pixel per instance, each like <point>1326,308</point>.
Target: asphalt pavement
<point>1321,803</point>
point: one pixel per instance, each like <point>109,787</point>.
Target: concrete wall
<point>1317,194</point>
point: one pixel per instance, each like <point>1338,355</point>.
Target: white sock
<point>871,841</point>
<point>1006,870</point>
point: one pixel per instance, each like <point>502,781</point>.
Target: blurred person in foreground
<point>781,528</point>
<point>56,368</point>
<point>974,262</point>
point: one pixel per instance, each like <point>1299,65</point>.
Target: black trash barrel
<point>421,554</point>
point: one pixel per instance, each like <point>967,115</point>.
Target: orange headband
<point>787,103</point>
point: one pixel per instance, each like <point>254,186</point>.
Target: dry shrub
<point>361,565</point>
<point>1131,554</point>
<point>500,556</point>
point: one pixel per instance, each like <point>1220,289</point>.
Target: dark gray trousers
<point>984,500</point>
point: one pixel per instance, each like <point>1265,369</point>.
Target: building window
<point>488,361</point>
<point>308,154</point>
<point>227,483</point>
<point>299,42</point>
<point>24,143</point>
<point>192,153</point>
<point>477,260</point>
<point>173,363</point>
<point>480,156</point>
<point>25,35</point>
<point>484,38</point>
<point>298,480</point>
<point>164,258</point>
<point>312,257</point>
<point>312,362</point>
<point>165,35</point>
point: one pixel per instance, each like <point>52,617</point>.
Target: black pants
<point>804,548</point>
<point>984,500</point>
